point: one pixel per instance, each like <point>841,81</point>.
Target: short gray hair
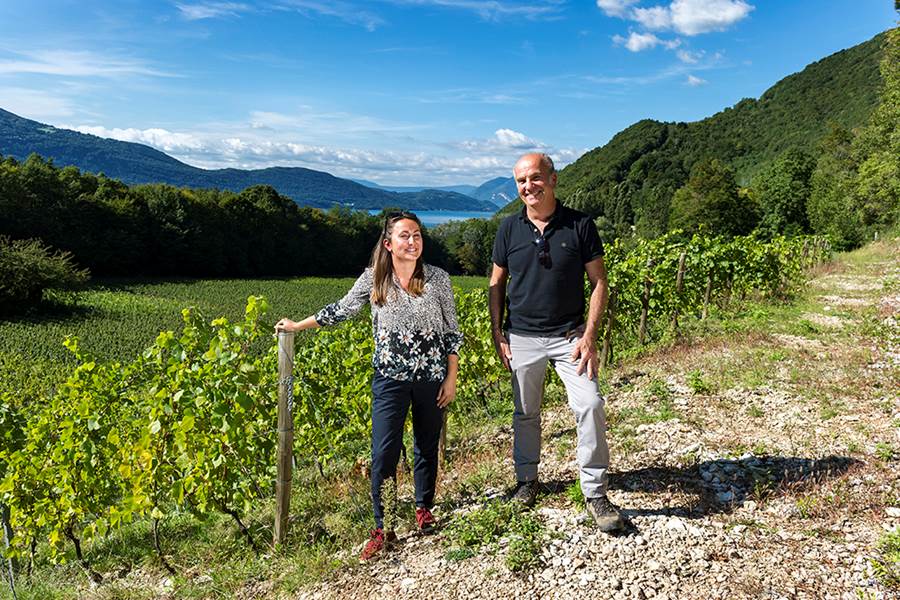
<point>547,162</point>
<point>543,158</point>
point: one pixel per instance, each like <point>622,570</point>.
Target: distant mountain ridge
<point>498,191</point>
<point>137,163</point>
<point>631,180</point>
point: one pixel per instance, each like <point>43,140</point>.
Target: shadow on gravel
<point>722,485</point>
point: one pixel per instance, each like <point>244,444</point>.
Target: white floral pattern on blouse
<point>414,335</point>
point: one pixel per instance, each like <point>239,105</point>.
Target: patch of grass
<point>804,327</point>
<point>574,493</point>
<point>755,376</point>
<point>778,355</point>
<point>806,506</point>
<point>494,525</point>
<point>886,452</point>
<point>829,408</point>
<point>887,562</point>
<point>750,523</point>
<point>487,474</point>
<point>563,446</point>
<point>658,389</point>
<point>697,383</point>
<point>824,534</point>
<point>755,411</point>
<point>459,554</point>
<point>761,449</point>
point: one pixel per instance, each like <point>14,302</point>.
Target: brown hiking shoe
<point>378,542</point>
<point>605,514</point>
<point>526,493</point>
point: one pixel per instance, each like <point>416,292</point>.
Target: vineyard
<point>188,427</point>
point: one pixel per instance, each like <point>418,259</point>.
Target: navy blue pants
<point>391,401</point>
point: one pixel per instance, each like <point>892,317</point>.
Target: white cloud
<point>695,81</point>
<point>76,63</point>
<point>345,11</point>
<point>671,44</point>
<point>693,17</point>
<point>164,140</point>
<point>655,18</point>
<point>641,41</point>
<point>691,58</point>
<point>615,8</point>
<point>211,10</point>
<point>245,145</point>
<point>636,42</point>
<point>513,139</point>
<point>494,10</point>
<point>471,96</point>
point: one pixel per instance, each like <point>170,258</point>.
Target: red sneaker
<point>425,520</point>
<point>378,541</point>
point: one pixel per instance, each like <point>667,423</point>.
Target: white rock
<point>676,524</point>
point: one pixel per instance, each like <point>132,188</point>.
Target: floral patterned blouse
<point>413,334</point>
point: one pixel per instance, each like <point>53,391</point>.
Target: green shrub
<point>488,525</point>
<point>28,267</point>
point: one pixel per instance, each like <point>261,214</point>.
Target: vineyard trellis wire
<point>188,425</point>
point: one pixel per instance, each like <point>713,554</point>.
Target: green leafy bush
<point>28,267</point>
<point>493,524</point>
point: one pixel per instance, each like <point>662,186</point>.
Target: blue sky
<point>402,92</point>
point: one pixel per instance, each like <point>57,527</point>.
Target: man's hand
<point>501,345</point>
<point>586,353</point>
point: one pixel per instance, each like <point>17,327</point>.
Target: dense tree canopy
<point>710,201</point>
<point>161,230</point>
<point>782,191</point>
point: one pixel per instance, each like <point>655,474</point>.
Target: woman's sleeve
<point>350,304</point>
<point>453,337</point>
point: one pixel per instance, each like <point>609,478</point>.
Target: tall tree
<point>782,191</point>
<point>877,147</point>
<point>830,208</point>
<point>710,200</point>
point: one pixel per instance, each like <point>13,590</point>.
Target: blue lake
<point>430,218</point>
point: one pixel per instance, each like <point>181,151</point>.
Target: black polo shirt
<point>546,299</point>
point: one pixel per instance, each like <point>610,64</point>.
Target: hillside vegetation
<point>631,180</point>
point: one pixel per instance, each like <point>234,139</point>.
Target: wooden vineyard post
<point>679,287</point>
<point>645,305</point>
<point>7,537</point>
<point>706,296</point>
<point>285,434</point>
<point>606,353</point>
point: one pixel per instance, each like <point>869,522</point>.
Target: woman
<point>416,362</point>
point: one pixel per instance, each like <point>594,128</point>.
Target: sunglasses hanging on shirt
<point>543,251</point>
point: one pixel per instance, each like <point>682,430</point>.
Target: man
<point>540,258</point>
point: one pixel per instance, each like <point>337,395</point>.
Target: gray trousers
<point>530,356</point>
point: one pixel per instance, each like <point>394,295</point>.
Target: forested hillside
<point>632,179</point>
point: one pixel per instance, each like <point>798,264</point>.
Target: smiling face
<point>405,242</point>
<point>535,182</point>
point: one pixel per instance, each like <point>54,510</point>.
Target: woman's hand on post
<point>447,392</point>
<point>286,325</point>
